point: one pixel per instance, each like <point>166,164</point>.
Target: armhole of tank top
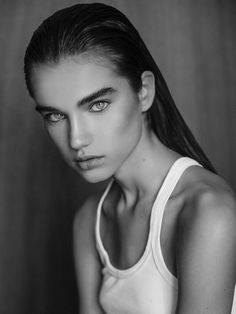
<point>99,245</point>
<point>183,164</point>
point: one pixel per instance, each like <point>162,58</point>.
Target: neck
<point>142,174</point>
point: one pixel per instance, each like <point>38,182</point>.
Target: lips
<point>88,162</point>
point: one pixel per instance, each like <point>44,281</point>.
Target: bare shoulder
<point>86,259</point>
<point>210,202</point>
<point>86,215</point>
<point>206,245</point>
<point>84,234</point>
<point>208,216</point>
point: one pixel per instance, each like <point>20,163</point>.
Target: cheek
<point>130,118</point>
<point>125,126</point>
<point>59,136</point>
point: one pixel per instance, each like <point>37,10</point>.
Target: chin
<point>94,176</point>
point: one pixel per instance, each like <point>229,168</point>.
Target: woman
<point>161,239</point>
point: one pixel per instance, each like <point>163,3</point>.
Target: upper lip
<point>84,158</point>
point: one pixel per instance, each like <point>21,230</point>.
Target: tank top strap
<point>170,182</point>
<point>101,250</point>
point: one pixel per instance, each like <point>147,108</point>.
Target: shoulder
<point>84,220</point>
<point>87,211</point>
<point>206,246</point>
<point>206,223</point>
<point>86,260</point>
<point>209,203</point>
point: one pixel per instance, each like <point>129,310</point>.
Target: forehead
<point>71,79</point>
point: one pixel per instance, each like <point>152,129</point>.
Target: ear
<point>147,92</point>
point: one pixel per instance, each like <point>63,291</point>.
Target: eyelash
<point>99,102</point>
<point>48,116</point>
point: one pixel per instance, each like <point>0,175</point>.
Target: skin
<point>199,220</point>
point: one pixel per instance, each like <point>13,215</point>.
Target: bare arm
<point>206,256</point>
<point>87,264</point>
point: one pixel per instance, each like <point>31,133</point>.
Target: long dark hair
<point>104,31</point>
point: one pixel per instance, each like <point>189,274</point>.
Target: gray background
<point>193,42</point>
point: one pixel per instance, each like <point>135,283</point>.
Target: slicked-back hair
<point>103,31</point>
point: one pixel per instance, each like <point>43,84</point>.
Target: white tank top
<point>148,286</point>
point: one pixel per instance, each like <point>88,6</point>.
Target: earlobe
<point>147,91</point>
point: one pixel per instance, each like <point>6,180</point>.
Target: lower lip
<point>90,163</point>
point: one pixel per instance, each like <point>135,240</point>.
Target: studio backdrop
<point>194,44</point>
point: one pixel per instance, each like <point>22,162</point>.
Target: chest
<point>145,291</point>
<point>125,237</point>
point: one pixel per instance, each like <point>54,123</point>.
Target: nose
<point>79,135</point>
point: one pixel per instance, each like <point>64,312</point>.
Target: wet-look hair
<point>103,32</point>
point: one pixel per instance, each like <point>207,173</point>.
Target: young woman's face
<point>92,114</point>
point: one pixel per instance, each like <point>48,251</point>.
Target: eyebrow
<point>101,92</point>
<point>87,99</point>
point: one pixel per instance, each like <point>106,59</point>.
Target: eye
<point>53,117</point>
<point>99,106</point>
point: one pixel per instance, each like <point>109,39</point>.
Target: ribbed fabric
<point>148,286</point>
